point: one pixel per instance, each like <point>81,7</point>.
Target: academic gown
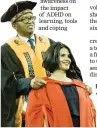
<point>12,87</point>
<point>67,105</point>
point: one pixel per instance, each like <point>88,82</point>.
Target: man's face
<point>25,24</point>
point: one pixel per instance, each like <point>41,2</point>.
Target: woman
<point>64,101</point>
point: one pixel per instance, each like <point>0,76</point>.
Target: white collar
<point>26,39</point>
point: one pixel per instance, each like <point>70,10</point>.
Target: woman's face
<point>64,59</point>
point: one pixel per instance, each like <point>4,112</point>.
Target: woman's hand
<point>89,89</point>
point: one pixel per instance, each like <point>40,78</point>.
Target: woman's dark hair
<point>51,60</point>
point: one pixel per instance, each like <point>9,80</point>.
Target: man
<point>21,59</point>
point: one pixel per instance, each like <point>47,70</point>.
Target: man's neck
<point>29,35</point>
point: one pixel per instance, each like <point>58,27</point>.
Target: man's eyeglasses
<point>27,19</point>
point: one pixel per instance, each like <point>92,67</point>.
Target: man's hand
<point>37,83</point>
<point>89,89</point>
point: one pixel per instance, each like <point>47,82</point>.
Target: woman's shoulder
<point>79,83</point>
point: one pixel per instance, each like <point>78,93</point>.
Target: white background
<point>77,37</point>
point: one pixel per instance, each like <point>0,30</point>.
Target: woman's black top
<point>71,94</point>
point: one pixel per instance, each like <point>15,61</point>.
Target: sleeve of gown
<point>23,86</point>
<point>7,82</point>
<point>8,96</point>
<point>10,87</point>
<point>10,64</point>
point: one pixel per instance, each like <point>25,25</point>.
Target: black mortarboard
<point>17,8</point>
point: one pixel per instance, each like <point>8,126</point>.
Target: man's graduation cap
<point>17,9</point>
